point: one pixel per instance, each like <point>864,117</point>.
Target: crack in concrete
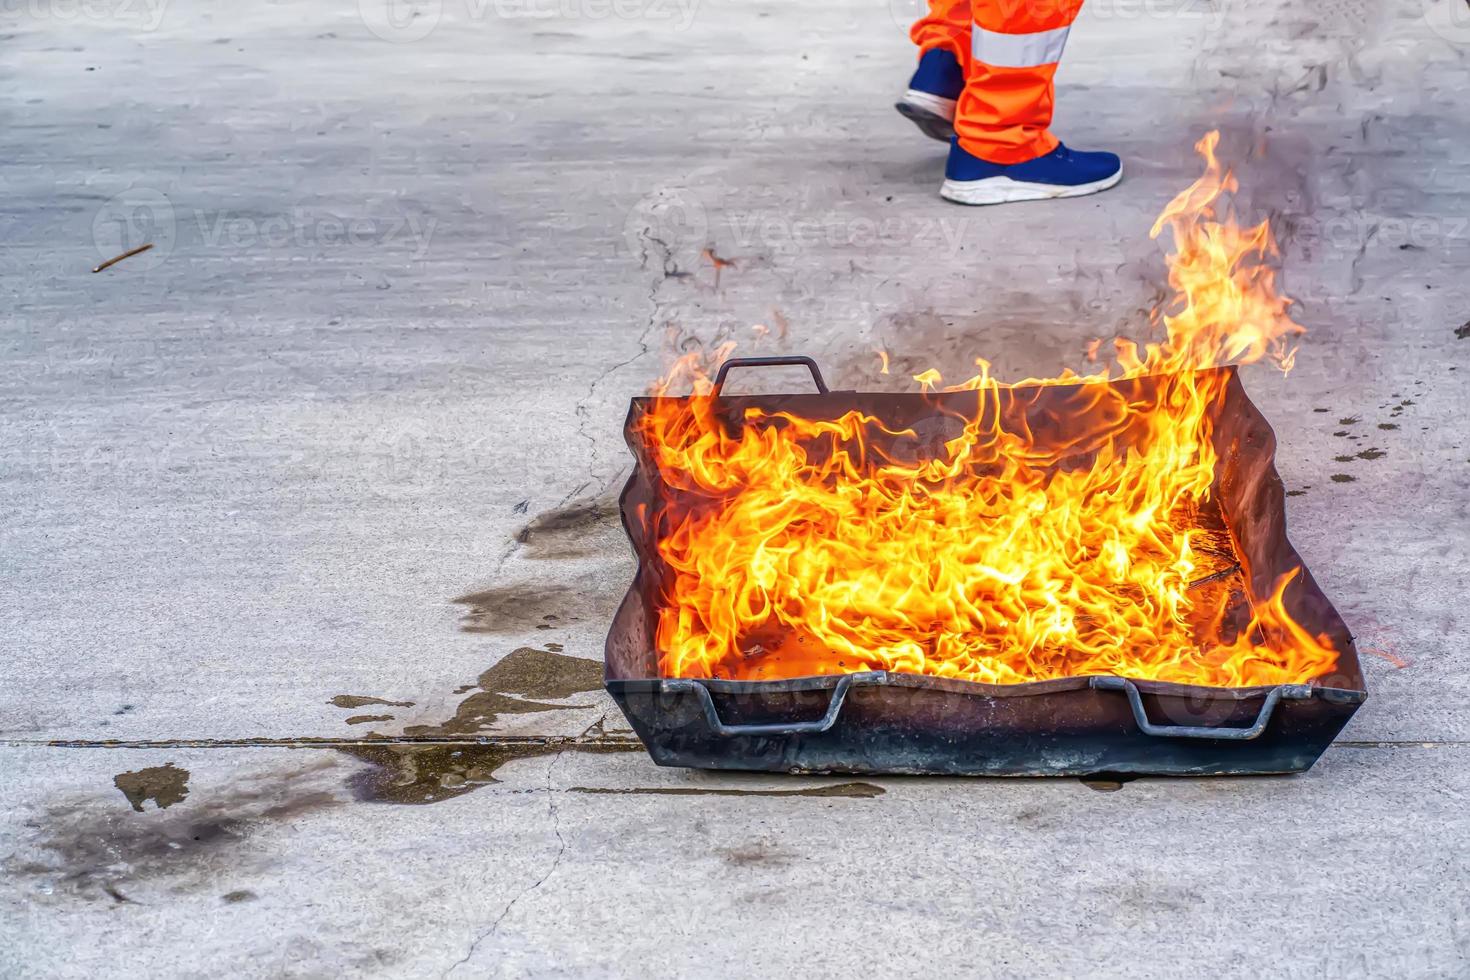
<point>669,270</point>
<point>555,863</point>
<point>1355,278</point>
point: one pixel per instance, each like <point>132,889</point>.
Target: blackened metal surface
<point>907,724</point>
<point>904,723</point>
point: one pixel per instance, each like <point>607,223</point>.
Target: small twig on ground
<point>126,255</point>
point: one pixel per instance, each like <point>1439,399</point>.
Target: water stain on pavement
<point>527,672</point>
<point>569,531</point>
<point>523,681</point>
<point>360,701</point>
<point>418,774</point>
<point>97,850</point>
<point>512,608</point>
<point>165,785</point>
<point>573,517</point>
<point>542,674</point>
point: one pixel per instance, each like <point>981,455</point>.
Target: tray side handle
<point>776,361</point>
<point>822,724</point>
<point>1263,717</point>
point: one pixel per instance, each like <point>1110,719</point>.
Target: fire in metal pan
<point>848,717</point>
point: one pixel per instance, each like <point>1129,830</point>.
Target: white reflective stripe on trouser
<point>1018,50</point>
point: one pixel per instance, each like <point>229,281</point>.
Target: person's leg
<point>943,37</point>
<point>1006,107</point>
<point>946,28</point>
<point>1003,150</point>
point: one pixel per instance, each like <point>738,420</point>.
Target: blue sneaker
<point>932,93</point>
<point>1061,173</point>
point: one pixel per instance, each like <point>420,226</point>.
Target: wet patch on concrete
<point>851,791</point>
<point>542,674</point>
<point>361,701</point>
<point>481,710</point>
<point>527,672</point>
<point>569,531</point>
<point>524,681</point>
<point>165,785</point>
<point>99,849</point>
<point>418,774</point>
<point>512,608</point>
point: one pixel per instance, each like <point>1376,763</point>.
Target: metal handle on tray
<point>779,361</point>
<point>1291,691</point>
<point>834,707</point>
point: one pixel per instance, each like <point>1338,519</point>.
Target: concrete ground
<point>308,546</point>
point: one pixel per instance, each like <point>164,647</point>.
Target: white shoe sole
<point>933,114</point>
<point>1004,190</point>
<point>929,102</point>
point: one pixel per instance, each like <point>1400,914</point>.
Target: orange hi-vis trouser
<point>1009,50</point>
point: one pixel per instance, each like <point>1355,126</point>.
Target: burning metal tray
<point>885,722</point>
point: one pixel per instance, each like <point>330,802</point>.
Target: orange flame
<point>811,546</point>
